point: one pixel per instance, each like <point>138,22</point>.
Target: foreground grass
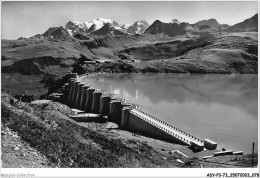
<point>67,144</point>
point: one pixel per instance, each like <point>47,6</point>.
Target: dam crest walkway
<point>183,136</point>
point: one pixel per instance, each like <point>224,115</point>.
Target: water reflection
<point>219,107</point>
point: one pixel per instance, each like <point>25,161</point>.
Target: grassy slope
<point>67,144</point>
<point>23,84</point>
<point>15,50</point>
<point>18,154</point>
<point>228,53</point>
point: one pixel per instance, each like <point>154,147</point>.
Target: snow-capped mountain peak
<point>137,27</point>
<point>100,22</point>
<point>99,26</point>
<point>74,25</point>
<point>79,24</point>
<point>140,22</point>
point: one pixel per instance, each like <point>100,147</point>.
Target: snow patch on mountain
<point>137,27</point>
<point>70,32</point>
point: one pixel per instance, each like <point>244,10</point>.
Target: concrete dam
<point>86,97</point>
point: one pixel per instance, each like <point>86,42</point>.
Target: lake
<point>220,107</point>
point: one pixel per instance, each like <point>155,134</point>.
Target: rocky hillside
<point>213,23</point>
<point>56,32</point>
<point>227,53</point>
<point>170,29</point>
<point>250,24</point>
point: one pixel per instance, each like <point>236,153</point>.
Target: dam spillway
<point>86,97</point>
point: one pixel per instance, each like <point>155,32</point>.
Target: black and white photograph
<point>129,84</point>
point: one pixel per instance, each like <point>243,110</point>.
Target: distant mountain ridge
<point>102,26</point>
<point>213,23</point>
<point>56,32</point>
<point>250,24</point>
<point>137,27</point>
<point>170,29</point>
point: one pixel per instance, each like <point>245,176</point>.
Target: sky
<point>27,18</point>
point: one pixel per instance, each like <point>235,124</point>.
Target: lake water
<point>219,107</point>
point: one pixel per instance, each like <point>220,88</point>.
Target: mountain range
<point>102,26</point>
<point>164,46</point>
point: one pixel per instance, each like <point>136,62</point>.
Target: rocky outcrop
<point>170,29</point>
<point>213,23</point>
<point>81,37</point>
<point>56,32</point>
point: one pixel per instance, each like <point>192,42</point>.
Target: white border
<point>128,172</point>
<point>124,172</point>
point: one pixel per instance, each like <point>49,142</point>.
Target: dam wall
<point>96,102</point>
<point>140,125</point>
<point>128,116</point>
<point>104,105</point>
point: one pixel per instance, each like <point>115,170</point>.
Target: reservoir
<point>220,107</point>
